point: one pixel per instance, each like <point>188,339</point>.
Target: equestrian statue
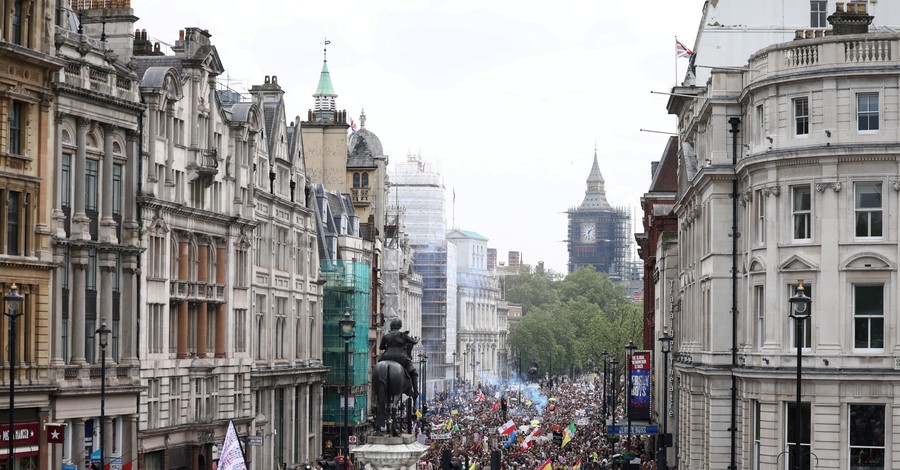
<point>394,375</point>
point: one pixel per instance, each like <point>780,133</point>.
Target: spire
<point>362,119</point>
<point>595,194</point>
<point>325,95</point>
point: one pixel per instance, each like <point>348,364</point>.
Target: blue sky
<point>506,97</point>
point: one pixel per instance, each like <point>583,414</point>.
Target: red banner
<point>24,434</point>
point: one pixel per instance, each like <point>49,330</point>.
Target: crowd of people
<point>468,423</point>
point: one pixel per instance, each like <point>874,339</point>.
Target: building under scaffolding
<point>346,290</point>
<point>600,235</point>
<point>417,190</point>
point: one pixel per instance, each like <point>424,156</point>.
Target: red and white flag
<point>352,126</point>
<point>534,434</point>
<point>496,406</point>
<point>507,428</point>
<point>55,433</point>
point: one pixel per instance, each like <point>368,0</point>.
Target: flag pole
<point>676,65</point>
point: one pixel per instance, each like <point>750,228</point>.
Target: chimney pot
<point>181,35</point>
<point>861,8</point>
<point>839,7</point>
<point>798,34</point>
<point>275,79</point>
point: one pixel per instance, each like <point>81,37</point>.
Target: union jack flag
<point>681,50</point>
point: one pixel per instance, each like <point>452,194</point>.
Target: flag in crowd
<point>546,465</point>
<point>232,456</point>
<point>568,434</point>
<point>507,427</point>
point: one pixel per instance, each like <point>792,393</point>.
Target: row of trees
<point>568,322</point>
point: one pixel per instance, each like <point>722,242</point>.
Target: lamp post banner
<point>639,366</point>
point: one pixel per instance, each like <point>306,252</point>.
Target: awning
<point>20,451</point>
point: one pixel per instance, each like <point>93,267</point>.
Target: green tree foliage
<point>570,322</point>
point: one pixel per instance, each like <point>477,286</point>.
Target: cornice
<point>180,210</point>
<point>93,95</point>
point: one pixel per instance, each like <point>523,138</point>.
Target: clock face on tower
<point>587,232</point>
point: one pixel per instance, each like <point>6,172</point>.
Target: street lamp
<point>103,334</point>
<point>13,299</point>
<point>605,385</point>
<point>465,361</point>
<point>665,342</point>
<point>423,361</point>
<point>348,326</point>
<point>799,312</point>
<point>630,347</point>
<point>453,378</point>
<point>612,379</point>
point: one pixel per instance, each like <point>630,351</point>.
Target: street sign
<point>634,429</point>
<point>255,440</point>
<point>351,439</point>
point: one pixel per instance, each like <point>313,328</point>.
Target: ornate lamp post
<point>453,378</point>
<point>630,347</point>
<point>423,362</point>
<point>799,311</point>
<point>348,331</point>
<point>13,299</point>
<point>665,342</point>
<point>103,334</point>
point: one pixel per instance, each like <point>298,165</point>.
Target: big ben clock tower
<point>597,231</point>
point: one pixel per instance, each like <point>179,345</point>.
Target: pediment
<point>867,262</point>
<point>757,265</point>
<point>797,263</point>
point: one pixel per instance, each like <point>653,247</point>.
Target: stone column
<point>211,122</point>
<point>129,439</point>
<point>80,220</point>
<point>195,109</point>
<point>59,218</point>
<point>77,435</point>
<point>153,116</point>
<point>303,401</point>
<point>202,278</point>
<point>238,167</point>
<point>129,311</point>
<point>129,190</point>
<point>220,309</point>
<point>170,147</point>
<point>251,182</point>
<point>107,223</point>
<point>78,259</point>
<point>183,275</point>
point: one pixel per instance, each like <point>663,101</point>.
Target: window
<point>355,180</point>
<point>157,256</point>
<point>261,234</point>
<point>154,338</point>
<point>801,116</point>
<point>801,207</point>
<point>757,439</point>
<point>65,180</point>
<point>281,304</point>
<point>760,218</point>
<point>790,418</point>
<point>240,266</point>
<point>238,395</point>
<point>13,211</point>
<point>16,115</point>
<point>117,190</point>
<point>282,256</point>
<point>868,316</point>
<point>16,22</point>
<point>867,427</point>
<point>759,299</point>
<point>365,180</point>
<point>867,111</point>
<point>299,249</point>
<point>173,328</point>
<point>91,178</point>
<point>807,324</point>
<point>818,12</point>
<point>868,209</point>
<point>174,400</point>
<point>153,403</point>
<point>760,124</point>
<point>240,330</point>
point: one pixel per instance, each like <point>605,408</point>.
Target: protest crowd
<point>545,426</point>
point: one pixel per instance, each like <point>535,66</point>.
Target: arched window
<point>355,180</point>
<point>260,334</point>
<point>365,180</point>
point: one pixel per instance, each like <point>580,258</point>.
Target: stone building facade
<point>808,138</point>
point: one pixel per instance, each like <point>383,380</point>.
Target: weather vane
<point>325,49</point>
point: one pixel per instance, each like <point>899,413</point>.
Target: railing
<point>828,51</point>
<point>208,158</point>
<point>359,194</point>
<point>192,290</point>
<point>801,56</point>
<point>867,51</point>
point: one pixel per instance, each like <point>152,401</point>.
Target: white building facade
<point>810,134</point>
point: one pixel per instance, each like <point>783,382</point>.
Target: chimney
<point>853,20</point>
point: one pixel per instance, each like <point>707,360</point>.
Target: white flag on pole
<point>231,457</point>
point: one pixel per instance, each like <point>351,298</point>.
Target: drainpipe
<point>735,122</point>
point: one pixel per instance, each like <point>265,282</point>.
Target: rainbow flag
<point>568,434</point>
<point>546,465</point>
<point>577,466</point>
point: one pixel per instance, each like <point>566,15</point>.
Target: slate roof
<point>666,177</point>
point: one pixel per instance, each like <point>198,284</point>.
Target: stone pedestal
<point>390,453</point>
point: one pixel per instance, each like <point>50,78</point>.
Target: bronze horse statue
<point>390,381</point>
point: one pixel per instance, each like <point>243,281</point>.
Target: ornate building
<point>481,317</point>
<point>287,372</point>
<point>97,243</point>
<point>27,143</point>
<point>796,154</point>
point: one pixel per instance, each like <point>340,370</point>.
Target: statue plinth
<point>390,452</point>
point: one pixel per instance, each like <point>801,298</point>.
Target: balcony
<point>205,166</point>
<point>844,51</point>
<point>196,291</point>
<point>359,195</point>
